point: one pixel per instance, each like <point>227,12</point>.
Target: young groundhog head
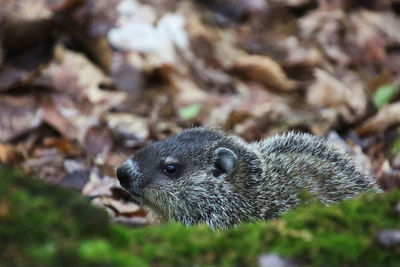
<point>197,176</point>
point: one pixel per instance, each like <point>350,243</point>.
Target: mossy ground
<point>43,225</point>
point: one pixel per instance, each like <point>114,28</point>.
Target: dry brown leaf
<point>18,116</point>
<point>9,155</point>
<point>329,92</point>
<point>370,24</point>
<point>63,145</point>
<point>325,28</point>
<point>72,118</point>
<point>26,22</point>
<point>262,69</point>
<point>132,129</point>
<point>63,5</point>
<point>47,164</point>
<point>53,118</point>
<point>370,33</point>
<point>158,42</point>
<point>249,112</point>
<point>187,91</point>
<point>77,174</point>
<point>388,116</point>
<point>27,9</point>
<point>98,141</point>
<point>99,184</point>
<point>74,73</point>
<point>11,77</point>
<point>388,177</point>
<point>358,155</point>
<point>88,24</point>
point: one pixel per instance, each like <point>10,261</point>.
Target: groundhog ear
<point>224,161</point>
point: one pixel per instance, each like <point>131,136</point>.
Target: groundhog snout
<point>130,178</point>
<point>123,176</point>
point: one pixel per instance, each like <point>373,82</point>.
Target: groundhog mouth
<point>135,197</point>
<point>156,210</point>
<point>145,203</point>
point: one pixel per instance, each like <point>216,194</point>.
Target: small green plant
<point>384,94</point>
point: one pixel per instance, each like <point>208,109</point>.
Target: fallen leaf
<point>387,177</point>
<point>387,116</point>
<point>63,5</point>
<point>188,92</point>
<point>12,77</point>
<point>63,145</point>
<point>132,129</point>
<point>74,73</point>
<point>18,116</point>
<point>46,164</point>
<point>157,42</point>
<point>98,141</point>
<point>77,174</point>
<point>329,92</point>
<point>262,69</point>
<point>55,119</point>
<point>99,184</point>
<point>9,155</point>
<point>324,26</point>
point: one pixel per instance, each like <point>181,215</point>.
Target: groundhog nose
<point>123,176</point>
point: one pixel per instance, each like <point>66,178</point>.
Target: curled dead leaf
<point>55,119</point>
<point>387,116</point>
<point>9,155</point>
<point>132,129</point>
<point>263,69</point>
<point>63,5</point>
<point>98,141</point>
<point>84,78</point>
<point>347,97</point>
<point>18,116</point>
<point>11,77</point>
<point>63,145</point>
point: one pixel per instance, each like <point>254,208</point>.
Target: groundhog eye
<point>170,169</point>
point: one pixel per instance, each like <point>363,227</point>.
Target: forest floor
<point>85,83</point>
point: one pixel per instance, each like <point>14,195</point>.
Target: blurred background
<point>86,83</point>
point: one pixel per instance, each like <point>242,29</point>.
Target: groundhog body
<point>206,176</point>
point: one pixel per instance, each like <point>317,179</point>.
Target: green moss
<point>42,225</point>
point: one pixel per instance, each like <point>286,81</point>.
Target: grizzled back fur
<point>206,176</point>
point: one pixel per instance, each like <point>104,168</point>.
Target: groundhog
<point>207,176</point>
